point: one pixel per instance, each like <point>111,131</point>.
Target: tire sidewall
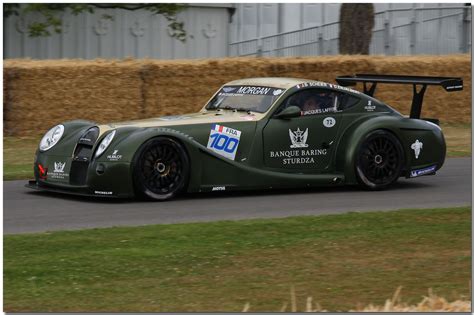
<point>361,178</point>
<point>140,188</point>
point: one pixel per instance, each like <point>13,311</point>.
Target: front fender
<point>128,140</point>
<point>72,132</point>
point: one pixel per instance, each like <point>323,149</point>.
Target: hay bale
<point>39,94</point>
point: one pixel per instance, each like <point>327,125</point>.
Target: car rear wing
<point>448,83</point>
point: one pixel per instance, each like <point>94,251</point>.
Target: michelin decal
<point>416,147</point>
<point>423,171</point>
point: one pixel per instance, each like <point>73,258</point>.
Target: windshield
<point>245,98</point>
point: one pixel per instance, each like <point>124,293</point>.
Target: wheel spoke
<point>161,167</point>
<point>379,160</point>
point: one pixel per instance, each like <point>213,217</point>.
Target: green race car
<point>260,133</point>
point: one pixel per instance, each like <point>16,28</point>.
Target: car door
<point>305,143</point>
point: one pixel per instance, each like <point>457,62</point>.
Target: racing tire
<point>379,160</point>
<point>160,169</point>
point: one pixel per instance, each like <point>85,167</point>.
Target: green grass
<point>458,139</point>
<point>18,152</point>
<point>339,260</point>
<point>18,157</point>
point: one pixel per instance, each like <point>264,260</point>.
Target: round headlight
<point>52,137</point>
<point>104,143</point>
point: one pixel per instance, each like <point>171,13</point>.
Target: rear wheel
<point>161,169</point>
<point>379,160</point>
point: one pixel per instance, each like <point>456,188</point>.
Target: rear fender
<point>354,135</point>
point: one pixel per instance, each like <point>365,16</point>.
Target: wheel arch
<point>133,140</point>
<point>355,134</point>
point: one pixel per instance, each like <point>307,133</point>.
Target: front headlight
<point>52,137</point>
<point>104,143</point>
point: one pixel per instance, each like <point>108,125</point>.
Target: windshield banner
<point>249,90</point>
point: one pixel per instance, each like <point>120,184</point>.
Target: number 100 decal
<point>224,141</point>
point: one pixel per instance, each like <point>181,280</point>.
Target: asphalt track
<point>27,211</point>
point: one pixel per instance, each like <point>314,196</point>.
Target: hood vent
<point>82,156</point>
<point>90,136</point>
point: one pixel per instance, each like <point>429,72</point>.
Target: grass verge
<point>342,261</point>
<point>18,153</point>
<point>18,157</point>
<point>458,139</point>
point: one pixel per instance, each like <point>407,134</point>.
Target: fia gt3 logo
<point>298,138</point>
<point>416,147</point>
<point>59,167</point>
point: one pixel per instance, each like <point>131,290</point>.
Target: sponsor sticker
<point>298,138</point>
<point>228,89</point>
<point>329,122</point>
<point>59,167</point>
<point>452,87</point>
<point>416,147</point>
<point>58,172</point>
<point>423,171</point>
<point>218,188</point>
<point>176,117</point>
<point>249,90</point>
<point>114,156</point>
<point>99,192</point>
<point>326,85</point>
<point>369,107</point>
<point>224,141</point>
<point>248,117</point>
<point>318,111</point>
<point>85,139</point>
<point>301,155</point>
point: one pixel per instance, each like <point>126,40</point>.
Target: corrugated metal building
<point>250,29</point>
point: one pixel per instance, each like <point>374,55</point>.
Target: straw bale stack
<point>39,94</point>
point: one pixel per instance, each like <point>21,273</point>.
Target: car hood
<point>204,117</point>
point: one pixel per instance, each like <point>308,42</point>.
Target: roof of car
<point>282,83</point>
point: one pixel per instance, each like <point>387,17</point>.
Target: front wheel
<point>160,169</point>
<point>379,160</point>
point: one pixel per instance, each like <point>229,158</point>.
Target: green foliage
<point>50,14</point>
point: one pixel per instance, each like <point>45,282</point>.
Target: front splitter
<point>33,184</point>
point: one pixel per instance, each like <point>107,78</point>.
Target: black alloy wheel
<point>379,160</point>
<point>161,169</point>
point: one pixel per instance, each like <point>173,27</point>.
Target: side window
<point>346,101</point>
<point>313,101</point>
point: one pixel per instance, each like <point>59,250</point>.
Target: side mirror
<point>289,112</point>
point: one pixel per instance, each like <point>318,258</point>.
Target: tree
<point>50,14</point>
<point>355,30</point>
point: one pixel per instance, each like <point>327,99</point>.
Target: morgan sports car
<point>258,133</point>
